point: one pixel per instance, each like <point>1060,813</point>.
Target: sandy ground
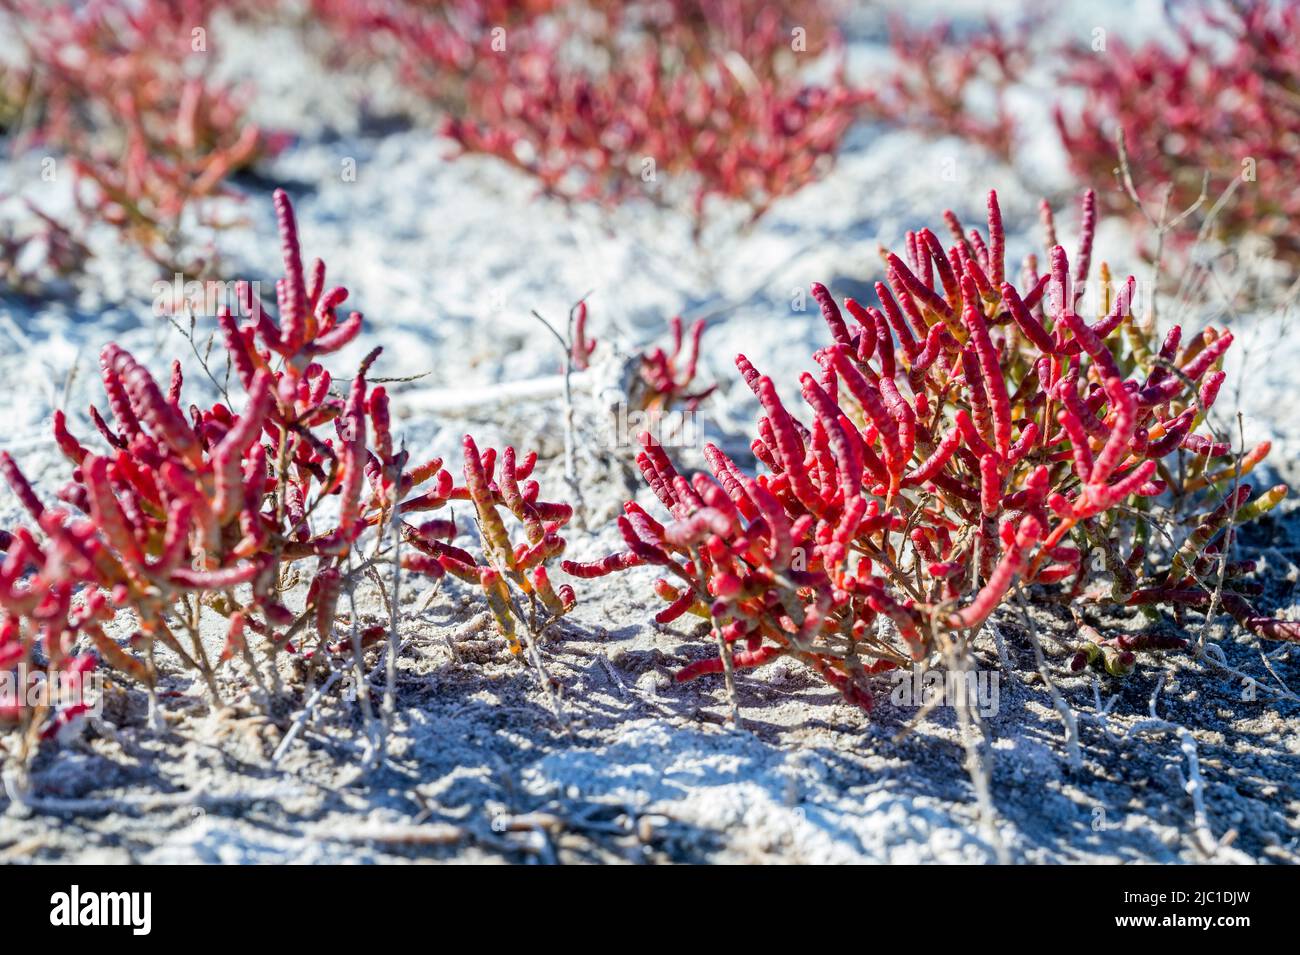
<point>446,259</point>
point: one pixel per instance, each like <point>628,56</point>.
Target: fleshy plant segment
<point>665,376</point>
<point>968,434</point>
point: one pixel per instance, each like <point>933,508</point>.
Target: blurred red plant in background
<point>123,89</point>
<point>677,102</point>
<point>1217,95</point>
<point>952,84</point>
<point>1221,97</point>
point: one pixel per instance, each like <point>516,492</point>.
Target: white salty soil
<point>447,259</point>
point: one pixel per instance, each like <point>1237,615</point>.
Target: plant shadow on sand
<point>478,768</point>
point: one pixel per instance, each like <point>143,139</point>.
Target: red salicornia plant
<point>1217,94</point>
<point>185,512</point>
<point>503,567</point>
<point>964,436</point>
<point>513,577</point>
<point>250,513</point>
<point>663,376</point>
<point>433,45</point>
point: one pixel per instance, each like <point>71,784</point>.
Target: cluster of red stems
<point>121,89</point>
<point>965,435</point>
<point>709,90</point>
<point>186,516</point>
<point>664,377</point>
<point>606,101</point>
